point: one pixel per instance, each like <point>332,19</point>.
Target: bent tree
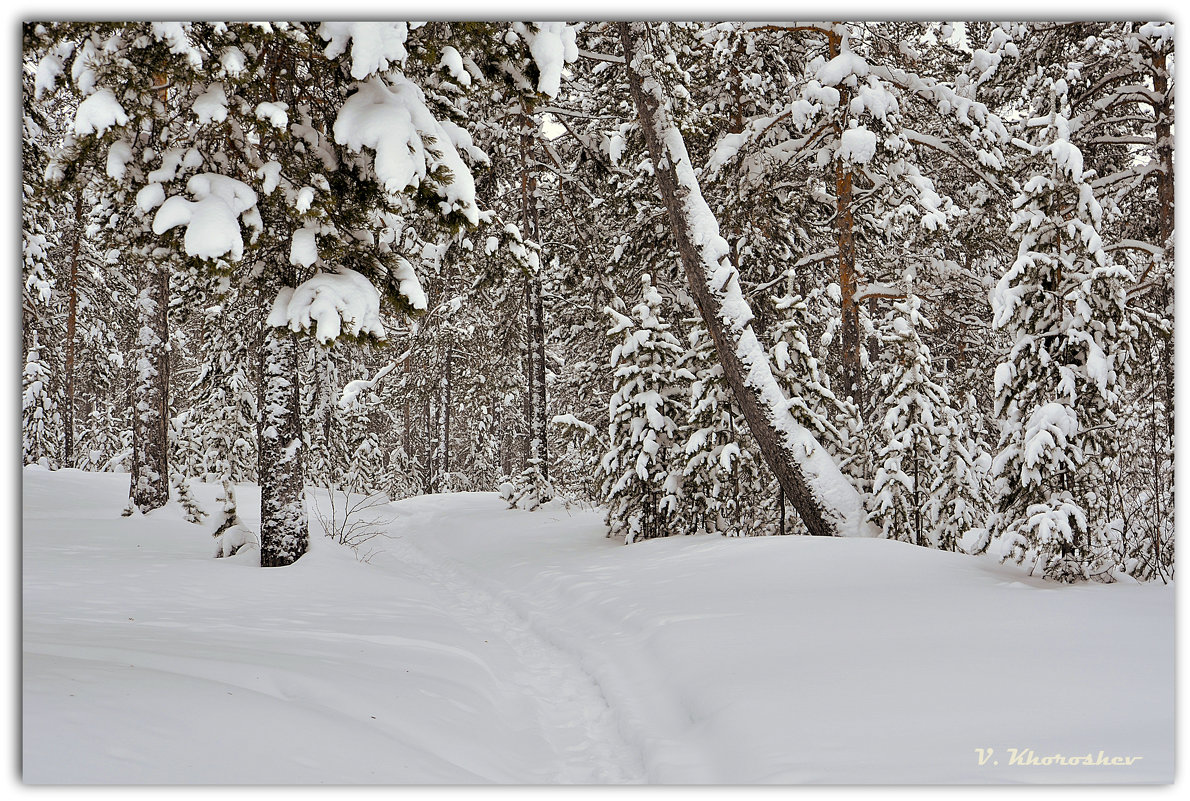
<point>819,492</point>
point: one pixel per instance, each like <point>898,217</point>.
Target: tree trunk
<point>428,463</point>
<point>848,279</point>
<point>539,425</point>
<point>406,422</point>
<point>1164,133</point>
<point>1165,214</point>
<point>284,533</point>
<point>76,241</point>
<point>826,501</point>
<point>535,307</point>
<point>527,455</point>
<point>149,485</point>
<point>442,451</point>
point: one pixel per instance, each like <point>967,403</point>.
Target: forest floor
<point>477,644</point>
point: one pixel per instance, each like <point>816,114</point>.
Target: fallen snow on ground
<point>479,644</point>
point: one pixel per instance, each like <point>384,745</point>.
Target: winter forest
<point>520,345</point>
<point>908,280</point>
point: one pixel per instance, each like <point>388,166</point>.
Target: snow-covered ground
<point>480,645</point>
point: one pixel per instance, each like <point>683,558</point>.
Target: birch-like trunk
<point>818,490</point>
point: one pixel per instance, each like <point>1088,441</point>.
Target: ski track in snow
<point>482,645</point>
<point>574,713</point>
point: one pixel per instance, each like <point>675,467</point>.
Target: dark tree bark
<point>428,464</point>
<point>530,353</point>
<point>1163,111</point>
<point>149,485</point>
<point>284,533</point>
<point>813,483</point>
<point>539,423</point>
<point>535,307</point>
<point>76,240</point>
<point>442,448</point>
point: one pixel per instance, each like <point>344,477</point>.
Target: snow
<point>175,34</point>
<point>303,246</point>
<point>409,285</point>
<point>98,112</point>
<point>826,485</point>
<point>149,197</point>
<point>1049,428</point>
<point>391,119</point>
<point>329,301</point>
<point>552,45</point>
<point>171,160</point>
<point>270,174</point>
<point>305,199</point>
<point>480,644</point>
<point>49,69</point>
<point>726,149</point>
<point>212,220</point>
<point>841,67</point>
<point>857,145</point>
<point>118,156</point>
<point>211,105</point>
<point>233,61</point>
<point>570,421</point>
<point>375,46</point>
<point>277,114</point>
<point>453,62</point>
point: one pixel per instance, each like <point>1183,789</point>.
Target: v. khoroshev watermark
<point>1028,757</point>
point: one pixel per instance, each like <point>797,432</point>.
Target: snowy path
<point>145,660</point>
<point>553,570</point>
<point>573,713</point>
<point>796,660</point>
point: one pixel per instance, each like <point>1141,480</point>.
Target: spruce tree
<point>642,485</point>
<point>1062,304</point>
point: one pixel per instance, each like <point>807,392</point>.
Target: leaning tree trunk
<point>284,534</point>
<point>826,501</point>
<point>149,485</point>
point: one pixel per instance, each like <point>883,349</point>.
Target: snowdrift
<point>482,645</point>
